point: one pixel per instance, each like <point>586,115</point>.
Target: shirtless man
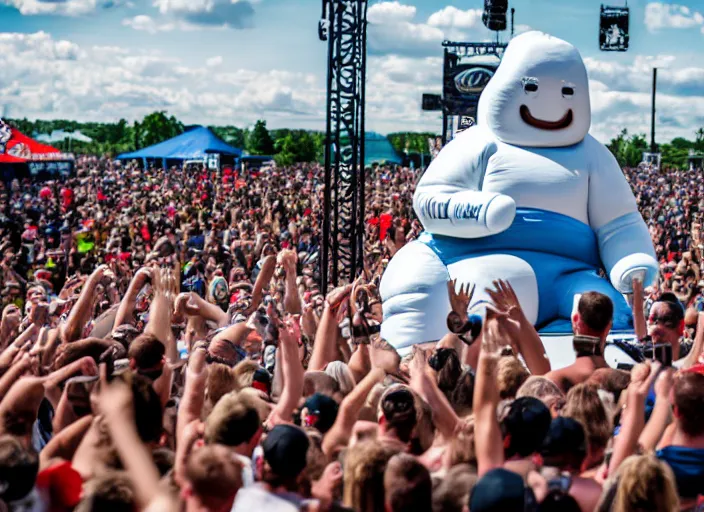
<point>591,324</point>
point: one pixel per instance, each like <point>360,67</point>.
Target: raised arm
<point>325,346</point>
<point>81,311</point>
<point>639,323</point>
<point>696,353</point>
<point>341,431</point>
<point>116,404</point>
<point>194,390</point>
<point>161,310</point>
<point>443,415</point>
<point>517,326</point>
<point>449,199</point>
<point>292,300</point>
<point>487,432</point>
<point>633,417</point>
<point>289,336</point>
<point>127,305</point>
<point>262,283</point>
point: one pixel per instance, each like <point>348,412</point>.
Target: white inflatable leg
<point>481,271</point>
<point>416,302</point>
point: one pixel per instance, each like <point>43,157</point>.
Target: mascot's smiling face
<point>539,96</point>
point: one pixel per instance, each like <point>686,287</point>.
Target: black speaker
<point>432,102</point>
<point>494,15</point>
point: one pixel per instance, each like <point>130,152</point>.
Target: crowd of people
<point>165,344</point>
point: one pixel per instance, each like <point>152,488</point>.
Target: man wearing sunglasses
<point>666,323</point>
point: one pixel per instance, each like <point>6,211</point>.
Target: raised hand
<point>288,259</point>
<point>39,315</point>
<point>143,275</point>
<point>185,305</point>
<point>495,336</point>
<point>337,296</point>
<point>115,398</point>
<point>419,362</point>
<point>460,300</point>
<point>11,316</point>
<point>642,378</point>
<point>384,356</point>
<point>505,299</point>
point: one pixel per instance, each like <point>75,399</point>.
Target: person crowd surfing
<point>166,345</point>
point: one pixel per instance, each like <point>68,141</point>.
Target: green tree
<point>295,146</point>
<point>259,141</point>
<point>411,142</point>
<point>628,150</point>
<point>158,127</point>
<point>231,134</point>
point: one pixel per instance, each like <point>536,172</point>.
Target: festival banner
<point>463,84</point>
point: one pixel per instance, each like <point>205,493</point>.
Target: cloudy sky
<point>234,61</point>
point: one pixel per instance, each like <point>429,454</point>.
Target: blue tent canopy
<point>191,145</point>
<point>378,149</point>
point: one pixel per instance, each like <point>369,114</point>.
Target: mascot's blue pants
<point>563,253</point>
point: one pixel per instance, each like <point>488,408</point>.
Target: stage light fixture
<point>494,15</point>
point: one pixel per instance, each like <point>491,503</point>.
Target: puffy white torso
<point>553,179</point>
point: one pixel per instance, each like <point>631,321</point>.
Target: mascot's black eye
<point>567,92</point>
<point>531,87</point>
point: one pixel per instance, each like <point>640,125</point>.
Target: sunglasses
<point>666,320</point>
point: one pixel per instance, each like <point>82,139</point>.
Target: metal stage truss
<point>344,26</point>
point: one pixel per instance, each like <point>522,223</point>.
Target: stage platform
<point>560,352</point>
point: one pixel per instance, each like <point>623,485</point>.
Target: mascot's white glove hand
<point>639,265</point>
<point>467,214</point>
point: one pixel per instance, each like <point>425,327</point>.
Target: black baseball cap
<point>527,422</point>
<point>501,490</point>
<point>398,402</point>
<point>322,411</point>
<point>286,450</point>
<point>565,436</point>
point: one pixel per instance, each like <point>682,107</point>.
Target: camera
<point>663,352</point>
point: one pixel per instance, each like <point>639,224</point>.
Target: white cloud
<point>61,7</point>
<point>637,76</point>
<point>214,62</point>
<point>65,8</point>
<point>393,29</point>
<point>390,12</point>
<point>147,24</point>
<point>236,14</point>
<point>660,15</point>
<point>47,78</point>
<point>621,97</point>
<point>452,17</point>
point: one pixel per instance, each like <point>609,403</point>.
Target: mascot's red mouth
<point>546,125</point>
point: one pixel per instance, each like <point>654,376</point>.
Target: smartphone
<point>663,352</point>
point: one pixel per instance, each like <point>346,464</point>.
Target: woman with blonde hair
<point>645,484</point>
<point>364,476</point>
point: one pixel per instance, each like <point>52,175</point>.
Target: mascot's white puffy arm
<point>625,246</point>
<point>449,199</point>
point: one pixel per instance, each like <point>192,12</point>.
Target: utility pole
<point>653,148</point>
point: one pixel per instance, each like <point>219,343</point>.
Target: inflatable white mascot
<point>527,196</point>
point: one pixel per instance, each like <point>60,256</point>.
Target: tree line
<point>288,146</point>
<point>628,149</point>
<point>293,146</point>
